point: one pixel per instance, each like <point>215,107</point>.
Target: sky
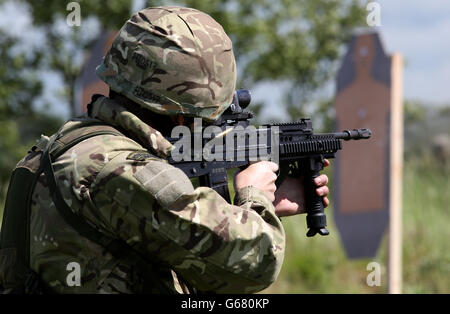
<point>419,30</point>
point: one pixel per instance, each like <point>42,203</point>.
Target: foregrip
<point>315,218</point>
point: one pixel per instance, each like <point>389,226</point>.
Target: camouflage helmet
<point>172,60</point>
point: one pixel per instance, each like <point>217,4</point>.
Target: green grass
<point>319,264</point>
<point>426,229</point>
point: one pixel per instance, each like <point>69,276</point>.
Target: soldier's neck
<point>162,123</point>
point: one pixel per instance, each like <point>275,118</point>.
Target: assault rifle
<point>294,146</point>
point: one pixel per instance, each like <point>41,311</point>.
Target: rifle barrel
<point>355,134</point>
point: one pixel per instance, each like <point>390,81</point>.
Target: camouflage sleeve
<point>213,245</point>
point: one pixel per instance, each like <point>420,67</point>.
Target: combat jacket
<point>122,185</point>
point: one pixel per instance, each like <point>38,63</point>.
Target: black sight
<point>241,100</point>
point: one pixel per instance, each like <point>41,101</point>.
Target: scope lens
<point>244,97</point>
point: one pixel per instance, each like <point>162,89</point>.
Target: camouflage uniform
<point>124,187</point>
<point>211,244</point>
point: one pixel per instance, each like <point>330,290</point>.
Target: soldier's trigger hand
<point>260,175</point>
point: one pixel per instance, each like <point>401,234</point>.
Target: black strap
<point>15,237</point>
<point>13,234</point>
<point>117,247</point>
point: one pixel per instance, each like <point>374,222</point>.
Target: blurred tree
<point>15,95</point>
<point>20,122</point>
<point>414,112</point>
<point>65,45</point>
<point>19,85</point>
<point>422,124</point>
<point>296,42</point>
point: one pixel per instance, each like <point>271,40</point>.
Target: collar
<point>113,113</point>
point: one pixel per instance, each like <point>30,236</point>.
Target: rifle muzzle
<point>355,134</point>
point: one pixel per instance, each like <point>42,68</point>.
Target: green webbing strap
<point>117,247</point>
<point>76,221</point>
<point>61,144</point>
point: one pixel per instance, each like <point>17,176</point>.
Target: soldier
<point>97,209</point>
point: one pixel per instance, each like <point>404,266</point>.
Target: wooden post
<point>396,165</point>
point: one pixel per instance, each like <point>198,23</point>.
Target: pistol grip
<point>316,219</point>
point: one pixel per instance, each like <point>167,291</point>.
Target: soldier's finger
<point>272,177</point>
<point>321,180</point>
<point>322,191</point>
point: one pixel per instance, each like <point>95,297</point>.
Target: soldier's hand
<point>290,195</point>
<point>261,175</point>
